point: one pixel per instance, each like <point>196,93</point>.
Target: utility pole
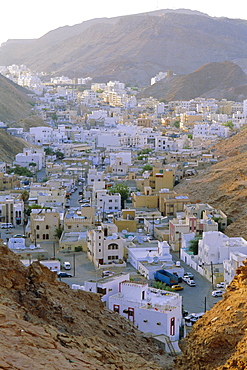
<point>74,262</point>
<point>212,275</point>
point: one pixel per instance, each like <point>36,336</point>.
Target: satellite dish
<point>156,259</point>
<point>130,237</point>
<point>114,236</point>
<point>145,238</point>
<point>156,222</point>
<point>139,230</point>
<point>32,246</point>
<point>124,231</point>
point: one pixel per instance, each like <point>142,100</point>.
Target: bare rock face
<point>218,340</point>
<point>46,325</point>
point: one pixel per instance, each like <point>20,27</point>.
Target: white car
<point>220,285</point>
<point>190,282</point>
<point>217,293</point>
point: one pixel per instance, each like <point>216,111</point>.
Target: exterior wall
<point>149,201</point>
<point>12,211</point>
<point>43,225</point>
<point>8,182</point>
<point>104,245</point>
<point>79,221</point>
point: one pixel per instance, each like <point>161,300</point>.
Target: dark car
<point>63,274</point>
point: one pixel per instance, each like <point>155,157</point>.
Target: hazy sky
<point>32,19</point>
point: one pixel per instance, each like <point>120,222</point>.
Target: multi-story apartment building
<point>43,225</point>
<point>105,246</point>
<point>11,210</point>
<point>8,182</point>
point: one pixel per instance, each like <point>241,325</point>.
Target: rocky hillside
<point>219,339</point>
<point>46,325</point>
<point>224,185</point>
<point>133,48</point>
<point>10,146</point>
<point>214,80</point>
<point>14,102</point>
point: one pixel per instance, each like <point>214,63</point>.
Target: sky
<point>24,19</point>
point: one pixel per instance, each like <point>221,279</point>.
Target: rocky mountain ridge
<point>224,80</point>
<point>133,48</point>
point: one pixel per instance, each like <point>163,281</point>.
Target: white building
<point>149,309</point>
<point>108,202</point>
<point>106,286</point>
<point>232,264</point>
<point>215,247</point>
<point>30,155</point>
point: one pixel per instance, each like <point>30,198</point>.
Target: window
<point>116,308</point>
<point>37,227</point>
<point>47,227</point>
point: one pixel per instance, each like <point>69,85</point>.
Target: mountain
<point>133,48</point>
<point>224,80</point>
<point>10,146</point>
<point>47,325</point>
<point>224,185</point>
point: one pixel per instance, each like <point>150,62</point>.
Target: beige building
<point>73,241</point>
<point>105,246</point>
<point>8,182</point>
<point>170,202</point>
<point>127,221</point>
<point>79,220</point>
<point>12,211</point>
<point>43,225</point>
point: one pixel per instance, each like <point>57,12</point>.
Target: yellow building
<point>146,199</point>
<point>126,221</point>
<point>159,178</point>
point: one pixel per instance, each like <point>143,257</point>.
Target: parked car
<point>217,293</point>
<point>107,273</point>
<point>188,275</point>
<point>19,236</point>
<point>63,274</point>
<point>190,282</point>
<point>196,317</point>
<point>7,225</point>
<point>177,287</point>
<point>220,285</point>
<point>189,317</point>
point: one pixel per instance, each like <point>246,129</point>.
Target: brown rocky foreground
<point>46,325</point>
<point>219,339</point>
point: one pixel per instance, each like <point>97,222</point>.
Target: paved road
<point>194,297</point>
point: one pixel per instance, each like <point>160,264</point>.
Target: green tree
<point>176,124</point>
<point>229,124</point>
<point>147,167</point>
<point>193,245</point>
<point>58,232</point>
<point>59,154</point>
<point>32,164</point>
<point>48,151</point>
<point>21,171</point>
<point>121,189</point>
